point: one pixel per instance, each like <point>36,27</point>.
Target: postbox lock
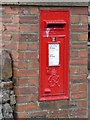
<point>54,39</point>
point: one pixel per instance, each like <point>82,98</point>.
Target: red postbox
<point>54,55</point>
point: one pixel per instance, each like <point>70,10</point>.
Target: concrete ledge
<point>56,3</point>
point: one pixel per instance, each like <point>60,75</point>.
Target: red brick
<point>82,103</point>
<point>34,10</point>
<point>33,64</point>
<point>79,95</point>
<point>12,28</point>
<point>84,19</point>
<point>83,87</point>
<point>74,54</point>
<point>83,36</point>
<point>75,19</point>
<point>74,70</point>
<point>79,28</point>
<point>20,64</point>
<point>83,70</point>
<point>25,90</point>
<point>33,28</point>
<point>15,19</point>
<point>5,19</point>
<point>20,115</point>
<point>83,53</point>
<point>38,114</point>
<point>79,11</point>
<point>79,61</point>
<point>15,55</point>
<point>11,46</point>
<point>22,46</point>
<point>6,36</point>
<point>33,81</point>
<point>12,10</point>
<point>58,114</point>
<point>27,107</point>
<point>74,37</point>
<point>16,37</point>
<point>74,88</point>
<point>25,73</point>
<point>78,111</point>
<point>32,98</point>
<point>21,99</point>
<point>79,46</point>
<point>28,55</point>
<point>33,46</point>
<point>23,28</point>
<point>28,19</point>
<point>24,10</point>
<point>21,82</point>
<point>79,79</point>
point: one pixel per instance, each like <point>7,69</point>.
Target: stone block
<point>6,66</point>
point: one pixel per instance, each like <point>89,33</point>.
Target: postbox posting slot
<point>55,24</point>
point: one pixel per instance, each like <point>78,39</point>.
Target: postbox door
<point>54,62</point>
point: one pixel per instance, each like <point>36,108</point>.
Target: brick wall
<point>20,35</point>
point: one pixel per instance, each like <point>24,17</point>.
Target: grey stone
<point>5,97</point>
<point>7,111</point>
<point>6,66</point>
<point>12,100</point>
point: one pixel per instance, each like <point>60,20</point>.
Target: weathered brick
<point>33,46</point>
<point>25,73</point>
<point>12,10</point>
<point>83,36</point>
<point>12,28</point>
<point>79,28</point>
<point>83,53</point>
<point>24,10</point>
<point>6,36</point>
<point>28,19</point>
<point>23,28</point>
<point>23,46</point>
<point>74,70</point>
<point>79,11</point>
<point>82,103</point>
<point>25,90</point>
<point>75,19</point>
<point>21,99</point>
<point>34,10</point>
<point>20,64</point>
<point>33,64</point>
<point>81,61</point>
<point>33,81</point>
<point>83,87</point>
<point>84,19</point>
<point>28,55</point>
<point>42,114</point>
<point>21,82</point>
<point>83,70</point>
<point>32,98</point>
<point>79,46</point>
<point>33,28</point>
<point>79,95</point>
<point>15,19</point>
<point>74,88</point>
<point>27,107</point>
<point>74,37</point>
<point>74,54</point>
<point>20,115</point>
<point>79,79</point>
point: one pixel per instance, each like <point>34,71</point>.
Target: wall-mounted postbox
<point>54,55</point>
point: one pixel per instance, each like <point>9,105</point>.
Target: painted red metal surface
<point>54,43</point>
